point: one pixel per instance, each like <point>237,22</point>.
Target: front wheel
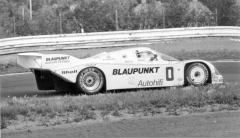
<point>90,81</point>
<point>197,74</point>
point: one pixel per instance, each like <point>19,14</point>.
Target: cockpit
<point>153,57</point>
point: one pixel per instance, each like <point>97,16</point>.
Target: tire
<point>197,74</point>
<point>90,81</point>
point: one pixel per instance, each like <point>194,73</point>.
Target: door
<point>164,70</point>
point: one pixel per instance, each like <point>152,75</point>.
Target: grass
<point>210,48</point>
<point>174,100</point>
<point>3,123</point>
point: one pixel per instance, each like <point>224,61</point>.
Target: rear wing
<point>41,61</point>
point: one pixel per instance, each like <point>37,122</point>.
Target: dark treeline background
<point>70,16</point>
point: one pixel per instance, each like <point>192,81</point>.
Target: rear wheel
<point>90,81</point>
<point>197,74</point>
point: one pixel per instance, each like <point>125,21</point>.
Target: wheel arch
<point>188,64</point>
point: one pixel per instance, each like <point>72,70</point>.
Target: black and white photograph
<point>119,68</point>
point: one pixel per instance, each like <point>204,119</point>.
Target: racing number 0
<point>169,74</point>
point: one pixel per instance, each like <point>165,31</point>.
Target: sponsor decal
<point>216,78</point>
<point>109,58</point>
<point>90,64</point>
<point>130,71</point>
<point>52,60</point>
<point>69,72</point>
<point>128,61</point>
<point>96,57</point>
<point>158,82</point>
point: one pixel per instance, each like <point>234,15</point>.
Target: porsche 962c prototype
<point>131,68</point>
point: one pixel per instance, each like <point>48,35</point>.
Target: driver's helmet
<point>145,55</point>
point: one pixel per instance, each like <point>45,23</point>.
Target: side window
<point>146,56</point>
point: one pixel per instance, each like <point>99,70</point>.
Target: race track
<point>24,83</point>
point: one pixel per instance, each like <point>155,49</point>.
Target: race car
<point>132,68</point>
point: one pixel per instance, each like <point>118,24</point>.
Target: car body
<point>139,67</point>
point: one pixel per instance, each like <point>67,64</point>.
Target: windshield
<point>166,57</point>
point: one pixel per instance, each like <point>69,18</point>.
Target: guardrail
<point>106,39</point>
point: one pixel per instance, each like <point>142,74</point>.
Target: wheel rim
<point>91,81</point>
<point>198,75</point>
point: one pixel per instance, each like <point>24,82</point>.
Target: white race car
<point>132,68</point>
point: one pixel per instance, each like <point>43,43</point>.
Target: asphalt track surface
<point>24,83</point>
